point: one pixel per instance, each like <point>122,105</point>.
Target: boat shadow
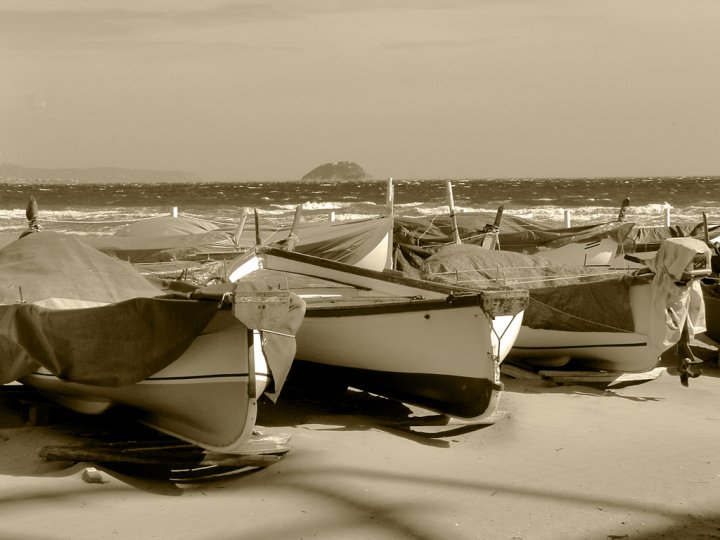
<point>704,350</point>
<point>26,433</point>
<point>357,410</point>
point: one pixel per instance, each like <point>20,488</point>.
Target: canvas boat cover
<point>167,226</point>
<point>342,241</point>
<point>516,234</point>
<point>711,296</point>
<point>562,297</point>
<point>676,301</point>
<point>643,239</point>
<point>130,329</point>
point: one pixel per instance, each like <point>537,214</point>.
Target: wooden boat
<point>601,320</point>
<point>429,344</point>
<point>643,242</point>
<point>711,296</point>
<point>585,245</point>
<point>90,332</point>
<point>365,243</point>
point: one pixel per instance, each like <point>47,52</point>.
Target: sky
<point>268,90</point>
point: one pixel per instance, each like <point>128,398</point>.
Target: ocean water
<point>104,208</point>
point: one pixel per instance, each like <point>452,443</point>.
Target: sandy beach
<point>570,461</point>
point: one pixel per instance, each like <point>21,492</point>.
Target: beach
<point>562,461</point>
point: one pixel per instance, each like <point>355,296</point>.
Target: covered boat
<point>90,332</point>
<point>430,344</point>
<point>602,319</point>
<point>364,242</point>
<point>585,245</point>
<point>711,296</point>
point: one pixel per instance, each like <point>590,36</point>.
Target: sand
<point>577,462</point>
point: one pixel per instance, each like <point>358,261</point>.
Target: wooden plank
<point>517,372</point>
<point>174,459</point>
<point>260,451</point>
<point>611,378</point>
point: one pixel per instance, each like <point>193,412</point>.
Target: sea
<point>104,208</point>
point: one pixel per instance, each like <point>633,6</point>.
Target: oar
<point>623,208</point>
<point>453,219</point>
<point>292,237</point>
<point>705,226</point>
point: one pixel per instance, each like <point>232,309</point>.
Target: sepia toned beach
<point>638,461</point>
<point>340,270</point>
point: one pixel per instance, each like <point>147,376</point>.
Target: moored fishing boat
<point>91,333</point>
<point>602,320</point>
<point>365,243</point>
<point>430,344</point>
<point>583,245</point>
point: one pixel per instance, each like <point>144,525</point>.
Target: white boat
<point>424,343</point>
<point>91,333</point>
<point>584,245</point>
<point>601,320</point>
<point>365,243</point>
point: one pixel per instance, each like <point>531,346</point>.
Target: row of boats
<point>187,323</point>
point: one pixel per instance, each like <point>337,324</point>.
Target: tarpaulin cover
<point>167,226</point>
<point>675,302</point>
<point>515,234</point>
<point>642,239</point>
<point>342,241</point>
<point>139,331</point>
<point>711,295</point>
<point>162,247</point>
<point>266,305</point>
<point>562,297</point>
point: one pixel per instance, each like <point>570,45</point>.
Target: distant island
<point>95,175</point>
<point>338,170</point>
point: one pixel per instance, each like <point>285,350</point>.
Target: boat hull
<point>207,397</point>
<point>712,315</point>
<point>424,343</point>
<point>442,357</point>
<point>612,351</point>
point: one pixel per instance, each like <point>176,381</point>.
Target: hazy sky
<point>255,90</point>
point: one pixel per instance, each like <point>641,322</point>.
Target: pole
<point>390,197</point>
<point>240,227</point>
<point>257,227</point>
<point>453,218</point>
<point>292,237</point>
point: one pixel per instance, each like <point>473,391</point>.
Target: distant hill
<point>338,170</point>
<point>117,175</point>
